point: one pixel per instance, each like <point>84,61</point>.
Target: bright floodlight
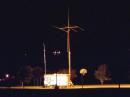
<point>56,79</point>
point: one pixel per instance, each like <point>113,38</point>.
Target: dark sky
<point>25,24</point>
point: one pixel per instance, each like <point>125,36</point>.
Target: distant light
<point>56,52</point>
<point>83,71</point>
<point>7,75</point>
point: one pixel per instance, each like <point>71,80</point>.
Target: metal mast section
<point>44,50</point>
<point>68,28</point>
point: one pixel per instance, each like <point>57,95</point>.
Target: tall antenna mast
<point>68,29</point>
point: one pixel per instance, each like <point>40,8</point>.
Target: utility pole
<point>68,28</point>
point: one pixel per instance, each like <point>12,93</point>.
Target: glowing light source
<point>7,75</point>
<point>83,71</point>
<point>56,79</point>
<point>56,52</point>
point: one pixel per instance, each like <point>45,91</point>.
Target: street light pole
<point>44,50</point>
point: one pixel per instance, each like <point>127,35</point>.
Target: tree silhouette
<point>102,74</point>
<point>25,74</point>
<point>37,75</point>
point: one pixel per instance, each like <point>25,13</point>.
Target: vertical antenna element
<point>68,17</point>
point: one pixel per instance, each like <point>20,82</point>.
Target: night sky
<point>26,24</point>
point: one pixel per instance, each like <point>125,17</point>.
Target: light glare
<point>56,79</point>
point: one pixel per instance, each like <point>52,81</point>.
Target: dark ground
<point>67,93</point>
